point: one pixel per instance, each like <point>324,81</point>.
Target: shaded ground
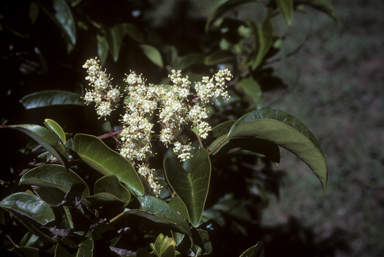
<point>336,83</point>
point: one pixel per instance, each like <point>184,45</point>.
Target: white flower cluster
<point>171,107</point>
<point>103,94</point>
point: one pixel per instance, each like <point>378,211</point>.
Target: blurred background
<point>333,85</point>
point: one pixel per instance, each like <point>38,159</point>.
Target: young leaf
<point>51,97</point>
<point>153,54</point>
<point>254,251</point>
<point>286,8</point>
<point>286,131</point>
<point>52,125</point>
<point>46,138</point>
<point>52,175</point>
<point>192,186</point>
<point>106,161</point>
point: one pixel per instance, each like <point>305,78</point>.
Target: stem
<point>217,146</point>
<point>110,134</point>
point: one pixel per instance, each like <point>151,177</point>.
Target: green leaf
<point>52,125</point>
<point>204,239</point>
<point>33,12</point>
<point>178,204</point>
<point>28,205</point>
<point>29,239</point>
<point>233,207</point>
<point>46,138</point>
<point>264,34</point>
<point>51,97</point>
<point>26,251</point>
<point>162,209</point>
<point>241,146</point>
<point>322,5</point>
<point>102,48</point>
<point>192,186</point>
<point>111,184</point>
<point>52,175</point>
<point>50,195</point>
<point>189,60</point>
<point>128,215</point>
<point>254,251</point>
<point>133,31</point>
<point>222,129</point>
<point>106,161</point>
<point>24,206</point>
<point>85,250</point>
<point>252,91</point>
<point>115,37</point>
<point>220,7</point>
<point>286,131</point>
<point>219,57</point>
<point>63,18</point>
<point>286,9</point>
<point>153,54</point>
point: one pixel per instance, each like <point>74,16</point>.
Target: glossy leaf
<point>106,161</point>
<point>85,250</point>
<point>252,91</point>
<point>52,125</point>
<point>102,48</point>
<point>254,251</point>
<point>219,57</point>
<point>220,7</point>
<point>286,9</point>
<point>50,195</point>
<point>63,18</point>
<point>52,175</point>
<point>127,215</point>
<point>111,184</point>
<point>322,5</point>
<point>46,138</point>
<point>206,246</point>
<point>51,97</point>
<point>153,54</point>
<point>178,204</point>
<point>192,186</point>
<point>286,131</point>
<point>106,199</point>
<point>162,209</point>
<point>189,60</point>
<point>28,205</point>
